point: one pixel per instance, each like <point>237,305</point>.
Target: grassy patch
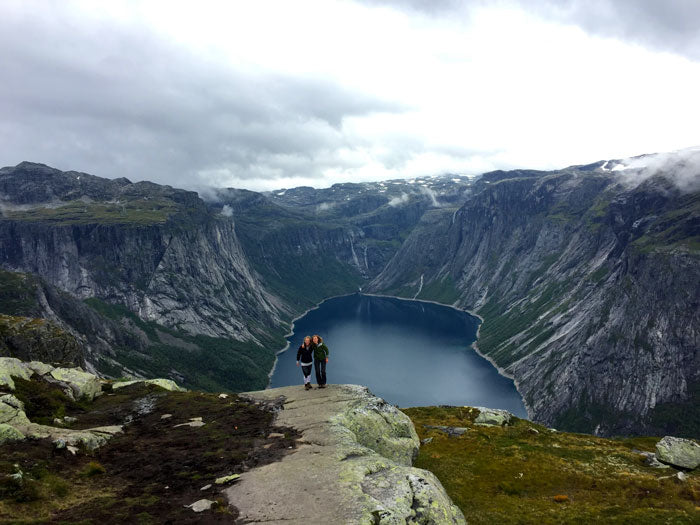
<point>513,474</point>
<point>441,290</point>
<point>18,294</point>
<point>44,401</point>
<point>132,212</point>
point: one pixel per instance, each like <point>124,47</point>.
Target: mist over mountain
<point>587,278</point>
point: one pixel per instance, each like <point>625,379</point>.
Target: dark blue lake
<point>410,353</point>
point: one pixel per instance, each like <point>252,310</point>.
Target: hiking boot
<point>307,386</point>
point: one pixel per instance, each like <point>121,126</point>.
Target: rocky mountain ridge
<point>587,282</point>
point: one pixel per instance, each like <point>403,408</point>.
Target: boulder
<point>167,384</point>
<point>678,452</point>
<point>12,367</point>
<point>12,411</point>
<point>493,417</point>
<point>83,385</point>
<point>201,505</point>
<point>651,461</point>
<point>8,434</point>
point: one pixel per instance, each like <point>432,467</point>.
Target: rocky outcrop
<point>12,367</point>
<point>352,465</point>
<point>76,383</point>
<point>166,384</point>
<point>493,416</point>
<point>31,338</point>
<point>81,385</point>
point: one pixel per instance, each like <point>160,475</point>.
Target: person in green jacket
<point>321,353</point>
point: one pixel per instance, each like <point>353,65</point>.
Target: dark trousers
<point>320,366</point>
<point>306,370</point>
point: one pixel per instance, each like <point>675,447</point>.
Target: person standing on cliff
<point>321,354</point>
<point>305,355</point>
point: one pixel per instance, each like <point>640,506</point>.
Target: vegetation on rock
<point>149,473</point>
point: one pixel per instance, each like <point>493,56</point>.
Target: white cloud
<point>398,201</point>
<point>682,168</point>
<point>264,95</point>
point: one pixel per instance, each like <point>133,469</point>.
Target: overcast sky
<point>270,94</point>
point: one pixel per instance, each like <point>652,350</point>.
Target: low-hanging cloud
<point>682,168</point>
<point>398,201</point>
<point>431,195</point>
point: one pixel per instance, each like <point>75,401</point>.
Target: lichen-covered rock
<point>226,479</point>
<point>12,367</point>
<point>354,456</point>
<point>12,411</point>
<point>8,434</point>
<point>416,498</point>
<point>40,368</point>
<point>678,452</point>
<point>167,384</point>
<point>83,385</point>
<point>493,416</point>
<point>90,438</point>
<point>381,427</point>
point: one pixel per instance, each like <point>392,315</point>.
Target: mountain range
<point>586,278</point>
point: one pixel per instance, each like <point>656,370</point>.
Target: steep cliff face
<point>39,321</point>
<point>313,244</point>
<point>154,249</point>
<point>588,289</point>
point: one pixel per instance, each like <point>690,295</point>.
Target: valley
<point>588,285</point>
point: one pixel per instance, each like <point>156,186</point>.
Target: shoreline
<point>474,346</point>
<point>291,333</point>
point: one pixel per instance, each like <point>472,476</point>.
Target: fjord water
<point>411,353</point>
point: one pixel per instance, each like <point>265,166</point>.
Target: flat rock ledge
<point>352,465</point>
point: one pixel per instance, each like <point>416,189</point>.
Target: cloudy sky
<point>270,94</point>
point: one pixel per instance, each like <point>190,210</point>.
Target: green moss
<point>511,474</point>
